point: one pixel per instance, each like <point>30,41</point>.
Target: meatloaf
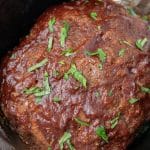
<point>80,80</point>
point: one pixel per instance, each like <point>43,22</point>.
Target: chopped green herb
<point>56,99</point>
<point>93,15</point>
<point>121,52</point>
<point>99,27</point>
<point>50,44</point>
<point>82,123</point>
<point>131,12</point>
<point>40,92</point>
<point>115,121</point>
<point>66,76</point>
<point>45,90</point>
<point>126,42</point>
<point>110,93</point>
<point>101,54</point>
<point>71,147</point>
<point>97,94</point>
<point>141,42</point>
<point>145,18</point>
<point>55,73</point>
<point>100,131</point>
<point>148,27</point>
<point>76,74</point>
<point>46,85</point>
<point>145,90</point>
<point>64,34</point>
<point>133,100</point>
<point>61,62</point>
<point>49,148</point>
<point>32,90</point>
<point>13,56</point>
<point>66,138</point>
<point>38,65</point>
<point>100,66</point>
<point>38,99</point>
<point>86,1</point>
<point>51,24</point>
<point>67,52</point>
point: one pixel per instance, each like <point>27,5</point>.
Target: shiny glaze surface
<point>43,124</point>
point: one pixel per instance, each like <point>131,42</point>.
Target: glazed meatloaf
<point>80,79</point>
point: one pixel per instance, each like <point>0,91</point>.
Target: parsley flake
<point>121,52</point>
<point>55,73</point>
<point>76,74</point>
<point>145,18</point>
<point>140,43</point>
<point>56,99</point>
<point>66,139</point>
<point>67,52</point>
<point>93,15</point>
<point>51,24</point>
<point>115,121</point>
<point>38,65</point>
<point>46,85</point>
<point>133,100</point>
<point>101,54</point>
<point>39,92</point>
<point>86,1</point>
<point>145,90</point>
<point>97,94</point>
<point>61,62</point>
<point>49,148</point>
<point>50,44</point>
<point>131,11</point>
<point>126,42</point>
<point>13,56</point>
<point>32,90</point>
<point>100,131</point>
<point>100,66</point>
<point>99,27</point>
<point>82,123</point>
<point>110,93</point>
<point>64,34</point>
